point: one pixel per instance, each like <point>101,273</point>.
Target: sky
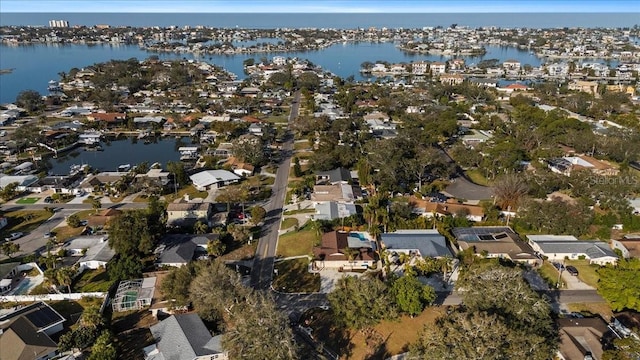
<point>319,6</point>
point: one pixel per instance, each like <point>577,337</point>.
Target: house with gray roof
<point>495,242</point>
<point>184,337</point>
<point>94,251</point>
<point>330,210</point>
<point>560,247</point>
<point>424,243</point>
<point>336,176</point>
<point>209,179</point>
<point>179,249</point>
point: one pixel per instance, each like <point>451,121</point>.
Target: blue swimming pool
<point>23,287</point>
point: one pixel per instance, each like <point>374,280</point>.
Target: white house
<point>94,251</point>
<point>560,247</point>
<point>208,179</point>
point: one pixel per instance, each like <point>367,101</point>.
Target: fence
<point>50,297</point>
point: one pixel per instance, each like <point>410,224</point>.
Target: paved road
<point>262,270</point>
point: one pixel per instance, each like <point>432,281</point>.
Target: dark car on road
<point>558,266</point>
<point>572,270</point>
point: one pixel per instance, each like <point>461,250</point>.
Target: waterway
<point>119,152</point>
<point>35,65</point>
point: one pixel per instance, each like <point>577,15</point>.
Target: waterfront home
<point>420,67</point>
<point>23,181</point>
<point>59,184</point>
<point>495,242</point>
<point>484,82</point>
<point>511,65</point>
<point>187,214</point>
<point>437,68</point>
<point>148,120</point>
<point>560,247</point>
<point>209,179</point>
<point>184,337</point>
<point>25,332</point>
<point>108,118</point>
<point>90,138</point>
<point>345,250</point>
<point>188,152</point>
<point>451,79</point>
<point>100,181</point>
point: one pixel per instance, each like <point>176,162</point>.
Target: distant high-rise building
<point>58,23</point>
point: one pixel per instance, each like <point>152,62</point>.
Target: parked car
<point>572,270</point>
<point>558,266</point>
<point>14,236</point>
<point>48,200</point>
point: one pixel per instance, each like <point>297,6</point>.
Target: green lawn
<point>288,223</point>
<point>301,145</point>
<point>477,177</point>
<point>277,118</point>
<point>549,274</point>
<point>296,243</point>
<point>301,211</point>
<point>293,276</point>
<point>27,200</point>
<point>92,281</point>
<point>24,220</point>
<point>586,272</point>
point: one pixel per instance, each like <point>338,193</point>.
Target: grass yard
<point>301,211</point>
<point>66,232</point>
<point>549,274</point>
<point>602,309</point>
<point>288,223</point>
<point>284,118</point>
<point>294,277</point>
<point>586,272</point>
<point>189,190</point>
<point>243,253</point>
<point>477,177</point>
<point>141,199</point>
<point>131,343</point>
<point>301,145</point>
<point>296,243</point>
<point>27,200</point>
<point>92,281</point>
<point>24,220</point>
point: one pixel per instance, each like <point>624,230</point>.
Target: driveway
<point>573,283</point>
<point>329,279</point>
<point>462,188</point>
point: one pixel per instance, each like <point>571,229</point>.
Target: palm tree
<point>65,276</point>
<point>509,191</point>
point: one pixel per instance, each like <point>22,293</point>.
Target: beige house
<point>188,213</point>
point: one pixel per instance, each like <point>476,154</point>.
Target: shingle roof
<point>336,175</point>
<point>184,337</point>
<point>208,177</point>
<point>22,341</point>
<point>428,242</point>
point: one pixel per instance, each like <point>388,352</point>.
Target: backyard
<point>92,281</point>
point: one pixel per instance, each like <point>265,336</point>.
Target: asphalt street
<point>262,270</point>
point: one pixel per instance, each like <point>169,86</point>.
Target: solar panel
<point>43,317</point>
<point>501,236</point>
<point>485,237</point>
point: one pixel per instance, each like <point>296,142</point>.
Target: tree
<point>411,296</point>
<point>30,100</point>
<point>130,234</point>
<point>623,349</point>
<point>91,317</point>
<point>361,303</point>
<point>175,286</point>
<point>297,169</point>
<point>179,174</point>
<point>262,333</point>
<point>509,191</point>
<point>65,275</point>
<point>258,213</point>
<point>125,267</point>
<point>73,220</point>
<point>9,248</point>
<point>96,204</point>
<point>215,247</point>
<point>78,338</point>
<point>502,318</point>
<point>200,227</point>
<point>104,348</point>
<point>9,192</point>
<point>620,284</point>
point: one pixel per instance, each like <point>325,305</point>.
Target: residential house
<point>438,68</point>
<point>340,192</point>
<point>7,273</point>
<point>423,243</point>
<point>148,120</point>
<point>23,181</point>
<point>484,82</point>
<point>331,210</point>
<point>154,177</point>
<point>567,164</point>
<point>209,179</point>
<point>590,87</point>
<point>456,64</point>
<point>179,214</point>
<point>103,218</point>
<point>451,79</point>
<point>100,181</point>
<point>179,249</point>
<point>240,168</point>
<point>629,245</point>
<point>345,250</point>
<point>635,205</point>
<point>420,67</point>
<point>336,176</point>
<point>184,337</point>
<point>511,65</point>
<point>93,252</point>
<point>560,247</point>
<point>110,118</point>
<point>256,129</point>
<point>25,332</point>
<point>439,209</point>
<point>581,338</point>
<point>476,137</point>
<point>495,242</point>
<point>515,87</point>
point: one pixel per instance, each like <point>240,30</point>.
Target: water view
<point>119,152</point>
<point>343,59</point>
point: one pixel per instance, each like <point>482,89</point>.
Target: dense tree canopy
<point>620,284</point>
<point>359,303</point>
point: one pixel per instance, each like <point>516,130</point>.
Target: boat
<point>124,168</point>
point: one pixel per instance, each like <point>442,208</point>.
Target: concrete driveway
<point>573,283</point>
<point>462,188</point>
